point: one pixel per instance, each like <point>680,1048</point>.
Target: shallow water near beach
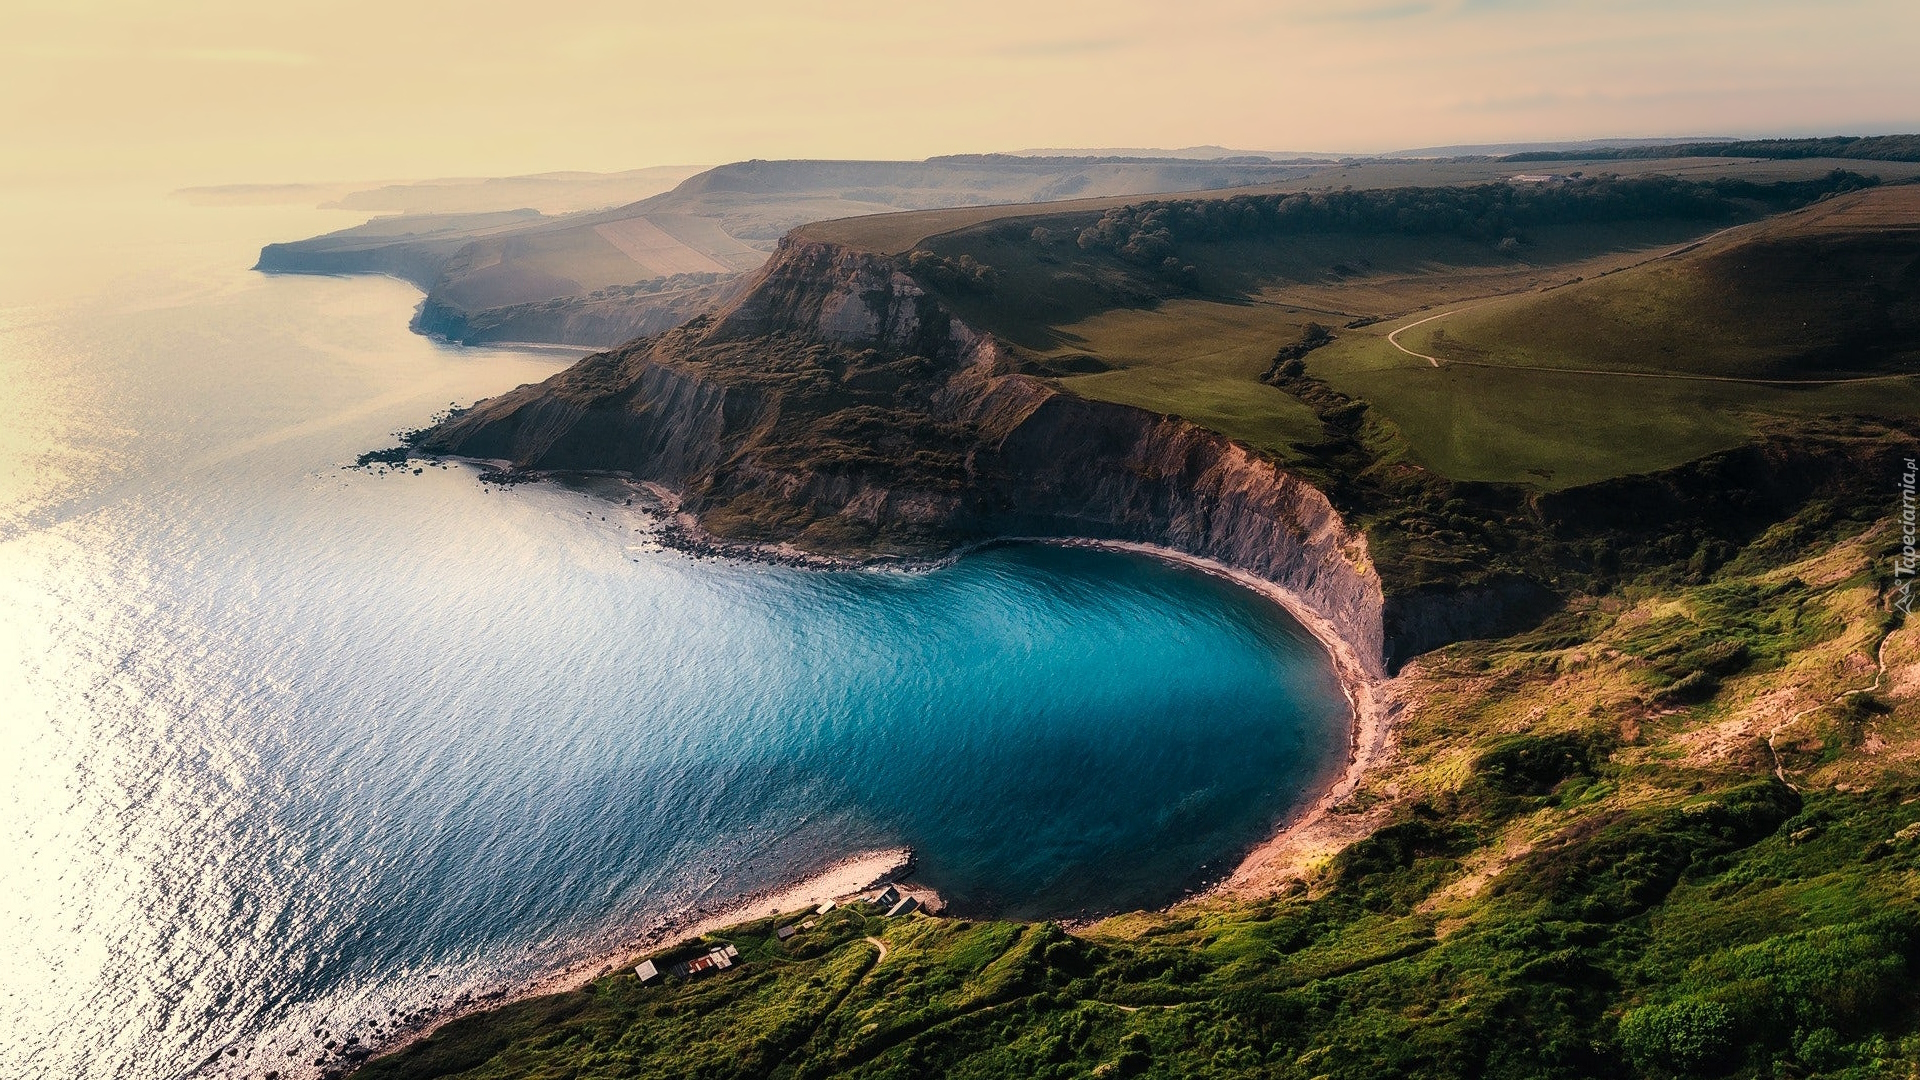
<point>285,746</point>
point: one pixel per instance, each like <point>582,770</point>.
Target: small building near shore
<point>907,906</point>
<point>719,958</point>
<point>646,971</point>
<point>886,897</point>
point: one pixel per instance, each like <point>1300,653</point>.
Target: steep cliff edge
<point>837,405</point>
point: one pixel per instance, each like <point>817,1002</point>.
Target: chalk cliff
<point>837,405</point>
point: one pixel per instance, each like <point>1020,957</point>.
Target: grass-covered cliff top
<point>1489,461</point>
<point>1546,335</point>
<point>1674,831</point>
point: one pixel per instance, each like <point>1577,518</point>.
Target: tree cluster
<point>964,274</point>
<point>1148,233</point>
<point>1855,147</point>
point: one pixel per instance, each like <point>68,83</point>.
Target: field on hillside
<point>542,264</point>
<point>1830,293</point>
<point>1554,430</point>
<point>1195,359</point>
<point>1544,361</point>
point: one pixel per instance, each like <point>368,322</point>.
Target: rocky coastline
<point>672,417</point>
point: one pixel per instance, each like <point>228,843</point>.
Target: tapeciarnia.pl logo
<point>1907,562</point>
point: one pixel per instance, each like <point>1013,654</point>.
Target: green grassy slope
<point>1192,358</point>
<point>1830,292</point>
<point>1554,431</point>
<point>1586,868</point>
<point>1201,353</point>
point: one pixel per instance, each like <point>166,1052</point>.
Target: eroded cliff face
<point>838,406</point>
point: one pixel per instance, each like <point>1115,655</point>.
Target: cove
<point>294,745</point>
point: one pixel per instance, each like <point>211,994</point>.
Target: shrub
<point>1685,1036</point>
<point>1533,765</point>
<point>1835,977</point>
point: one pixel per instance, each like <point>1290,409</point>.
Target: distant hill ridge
<point>573,279</point>
<point>1858,147</point>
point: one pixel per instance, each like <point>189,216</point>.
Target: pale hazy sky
<point>216,91</point>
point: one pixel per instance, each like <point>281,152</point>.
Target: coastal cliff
<point>838,406</point>
<point>597,320</point>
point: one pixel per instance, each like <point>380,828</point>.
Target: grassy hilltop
<point>1668,827</point>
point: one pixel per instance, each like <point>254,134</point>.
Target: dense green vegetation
<point>1692,939</point>
<point>1571,894</point>
<point>1148,233</point>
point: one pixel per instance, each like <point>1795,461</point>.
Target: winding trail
<point>882,946</point>
<point>1879,673</point>
<point>1393,339</point>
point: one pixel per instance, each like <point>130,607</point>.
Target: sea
<point>289,746</point>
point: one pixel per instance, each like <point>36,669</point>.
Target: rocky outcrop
<point>1078,468</point>
<point>833,294</point>
<point>784,416</point>
<point>417,264</point>
<point>1420,620</point>
<point>594,321</point>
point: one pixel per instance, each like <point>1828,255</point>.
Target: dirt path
<point>1879,673</point>
<point>1393,339</point>
<point>882,946</point>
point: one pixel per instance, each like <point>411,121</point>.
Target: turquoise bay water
<point>284,746</point>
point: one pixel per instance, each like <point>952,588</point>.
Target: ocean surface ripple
<point>290,748</point>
